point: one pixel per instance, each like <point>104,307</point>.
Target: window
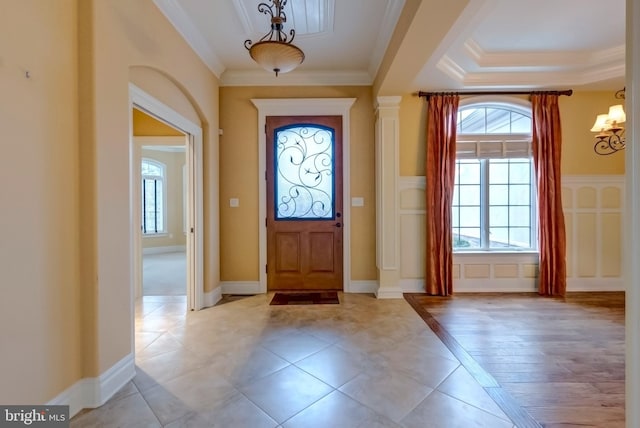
<point>494,195</point>
<point>153,197</point>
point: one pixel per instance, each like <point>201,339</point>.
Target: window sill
<point>494,256</point>
<point>155,235</point>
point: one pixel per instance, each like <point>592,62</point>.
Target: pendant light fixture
<point>274,51</point>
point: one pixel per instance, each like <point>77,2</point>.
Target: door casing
<point>304,107</point>
<point>195,210</point>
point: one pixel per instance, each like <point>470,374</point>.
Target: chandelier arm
<point>266,9</point>
<point>609,144</point>
<point>602,147</point>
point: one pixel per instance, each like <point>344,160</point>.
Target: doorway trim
<point>303,107</point>
<point>195,239</point>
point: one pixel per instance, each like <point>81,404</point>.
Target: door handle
<point>338,224</point>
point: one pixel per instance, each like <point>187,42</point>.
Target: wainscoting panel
<point>593,208</point>
<point>412,245</point>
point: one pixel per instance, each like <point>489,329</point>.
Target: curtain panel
<point>547,148</point>
<point>442,112</point>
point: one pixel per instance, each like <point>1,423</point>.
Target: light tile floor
<point>362,363</point>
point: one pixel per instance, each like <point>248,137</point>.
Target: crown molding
<point>526,80</point>
<point>534,69</point>
<point>451,68</point>
<point>484,59</point>
<point>176,15</point>
<point>567,60</point>
<point>243,16</point>
<point>295,78</point>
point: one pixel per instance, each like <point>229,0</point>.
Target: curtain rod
<point>567,92</point>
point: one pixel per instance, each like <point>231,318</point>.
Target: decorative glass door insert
<point>304,168</point>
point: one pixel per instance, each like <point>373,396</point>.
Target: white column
<point>387,172</point>
<point>632,247</point>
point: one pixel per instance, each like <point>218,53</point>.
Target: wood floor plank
<point>556,362</point>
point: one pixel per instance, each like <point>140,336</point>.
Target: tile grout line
<point>518,415</point>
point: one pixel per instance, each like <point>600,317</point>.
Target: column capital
<point>388,102</point>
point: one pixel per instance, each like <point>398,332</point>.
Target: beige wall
<point>66,256</point>
<point>39,249</point>
<point>134,41</point>
<point>239,173</point>
<point>145,125</point>
<point>578,113</point>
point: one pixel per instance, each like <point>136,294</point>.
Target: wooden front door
<point>304,202</point>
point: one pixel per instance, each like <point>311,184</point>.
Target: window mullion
<point>144,206</point>
<point>484,209</point>
<point>155,205</point>
<point>533,194</point>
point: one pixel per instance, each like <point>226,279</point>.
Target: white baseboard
<point>212,297</point>
<point>241,287</point>
<point>495,285</point>
<point>163,250</point>
<point>412,285</point>
<point>253,287</point>
<point>394,292</point>
<point>94,392</point>
<point>365,286</point>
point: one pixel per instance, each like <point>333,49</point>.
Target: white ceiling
<point>491,44</point>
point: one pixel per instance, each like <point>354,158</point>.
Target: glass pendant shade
<point>275,56</point>
<point>601,123</point>
<point>616,114</point>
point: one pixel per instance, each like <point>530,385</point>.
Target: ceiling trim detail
<point>534,69</point>
<point>486,59</point>
<point>391,16</point>
<point>510,79</point>
<point>183,24</point>
<point>325,17</point>
<point>298,78</point>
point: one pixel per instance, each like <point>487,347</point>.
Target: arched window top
<point>491,116</point>
<point>152,168</point>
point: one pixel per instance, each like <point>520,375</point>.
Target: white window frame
<point>490,146</point>
<point>163,179</point>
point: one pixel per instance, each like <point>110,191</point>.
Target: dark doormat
<point>313,298</point>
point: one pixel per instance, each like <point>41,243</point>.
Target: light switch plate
<point>357,201</point>
<point>234,202</point>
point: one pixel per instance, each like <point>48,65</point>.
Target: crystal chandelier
<point>610,137</point>
<point>274,52</point>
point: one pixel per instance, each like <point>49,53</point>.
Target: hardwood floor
<point>551,362</point>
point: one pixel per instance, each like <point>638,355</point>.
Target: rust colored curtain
<point>442,112</point>
<point>547,147</point>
